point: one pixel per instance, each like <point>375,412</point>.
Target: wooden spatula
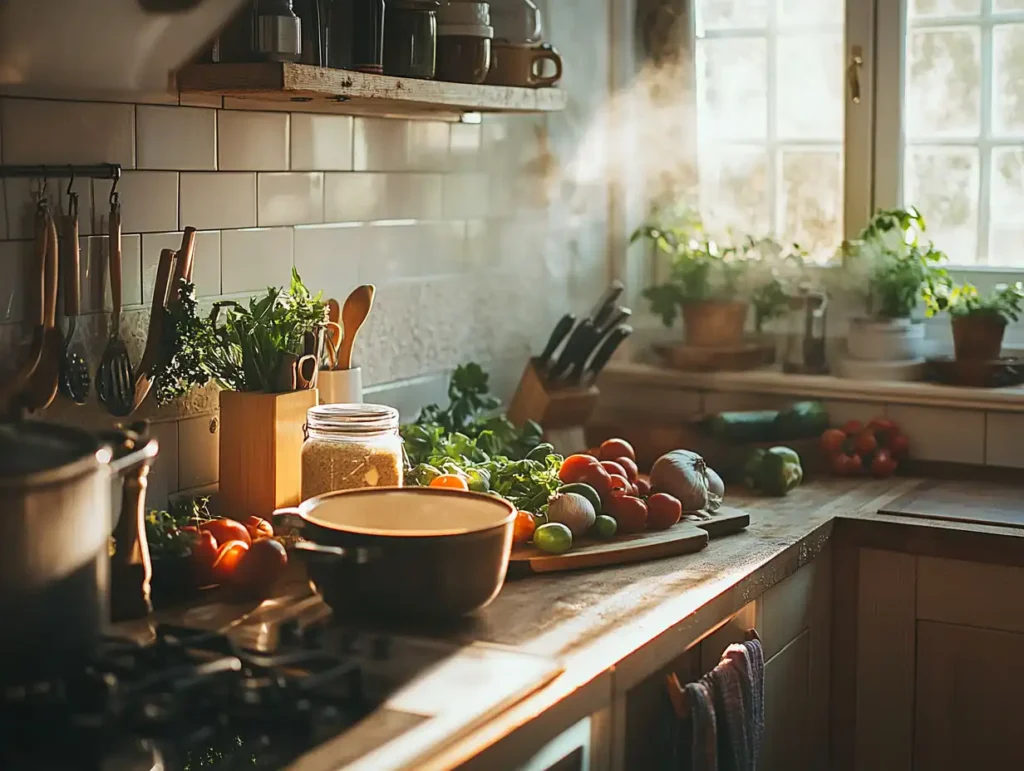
<point>353,314</point>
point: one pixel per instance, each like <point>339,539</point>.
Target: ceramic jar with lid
<point>464,42</point>
<point>410,38</point>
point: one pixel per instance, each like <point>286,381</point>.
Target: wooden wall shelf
<point>308,88</point>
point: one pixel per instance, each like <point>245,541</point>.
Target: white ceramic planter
<point>341,386</point>
<point>896,340</point>
<point>889,371</point>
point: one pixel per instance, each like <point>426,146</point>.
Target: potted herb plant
<point>892,271</point>
<point>712,285</point>
<point>978,321</point>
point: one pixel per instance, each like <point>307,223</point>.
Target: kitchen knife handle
<point>562,328</point>
<point>607,349</point>
<point>573,346</point>
<point>607,299</point>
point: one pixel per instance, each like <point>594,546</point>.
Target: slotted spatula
<point>116,382</point>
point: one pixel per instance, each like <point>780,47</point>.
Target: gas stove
<point>262,696</point>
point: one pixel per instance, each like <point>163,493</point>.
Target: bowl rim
<point>307,507</point>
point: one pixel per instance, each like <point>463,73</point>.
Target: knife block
<point>562,412</point>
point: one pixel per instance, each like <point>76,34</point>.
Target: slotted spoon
<point>75,378</point>
<point>115,382</point>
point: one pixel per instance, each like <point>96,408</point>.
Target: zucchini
<point>802,420</point>
<point>752,426</point>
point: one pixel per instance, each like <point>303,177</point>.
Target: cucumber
<point>753,426</point>
<point>802,420</point>
<point>586,491</point>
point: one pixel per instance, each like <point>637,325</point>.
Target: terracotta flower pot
<point>978,337</point>
<point>714,323</point>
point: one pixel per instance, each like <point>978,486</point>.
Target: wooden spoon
<point>42,388</point>
<point>353,314</point>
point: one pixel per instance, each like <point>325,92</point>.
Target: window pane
<point>1008,80</point>
<point>805,12</point>
<point>732,93</point>
<point>1006,231</point>
<point>810,69</point>
<point>734,191</point>
<point>943,94</point>
<point>943,7</point>
<point>731,14</point>
<point>812,199</point>
<point>943,183</point>
<point>1008,5</point>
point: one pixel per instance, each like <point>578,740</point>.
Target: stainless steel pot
<point>55,525</point>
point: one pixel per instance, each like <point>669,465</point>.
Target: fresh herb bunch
<point>189,337</point>
<point>1005,301</point>
<point>890,260</point>
<point>163,528</point>
<point>701,269</point>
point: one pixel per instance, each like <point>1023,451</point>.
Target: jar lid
<point>30,448</point>
<point>352,418</point>
<point>465,30</point>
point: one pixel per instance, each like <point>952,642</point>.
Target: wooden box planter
<point>261,439</point>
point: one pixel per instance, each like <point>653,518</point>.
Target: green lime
<point>586,491</point>
<point>554,538</point>
<point>604,527</point>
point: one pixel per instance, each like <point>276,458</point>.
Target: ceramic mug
<point>517,65</point>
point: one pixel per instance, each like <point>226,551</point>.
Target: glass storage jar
<point>349,446</point>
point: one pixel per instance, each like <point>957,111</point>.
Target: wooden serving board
<point>725,521</point>
<point>989,505</point>
<point>678,539</point>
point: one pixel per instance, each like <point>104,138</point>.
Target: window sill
<point>768,381</point>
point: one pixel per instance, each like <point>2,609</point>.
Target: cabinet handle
<point>853,72</point>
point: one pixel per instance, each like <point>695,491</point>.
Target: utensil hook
<point>115,197</point>
<point>40,190</point>
<point>72,196</point>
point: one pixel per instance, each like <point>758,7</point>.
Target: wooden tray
<point>745,356</point>
<point>725,521</point>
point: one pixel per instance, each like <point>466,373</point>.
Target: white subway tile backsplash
<point>206,267</point>
<point>252,260</point>
<point>179,138</point>
<point>290,198</point>
<point>252,141</point>
<point>326,258</point>
<point>21,204</point>
<point>466,195</point>
<point>199,99</point>
<point>163,476</point>
<point>465,143</point>
<point>198,451</point>
<point>217,200</point>
<point>941,434</point>
<point>54,132</point>
<point>15,259</point>
<point>94,275</point>
<point>1004,439</point>
<point>321,142</point>
<point>407,251</point>
<point>149,202</point>
<point>380,144</point>
<point>368,197</point>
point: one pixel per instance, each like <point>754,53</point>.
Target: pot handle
<point>289,517</point>
<point>324,553</point>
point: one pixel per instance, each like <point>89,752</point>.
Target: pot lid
<point>29,447</point>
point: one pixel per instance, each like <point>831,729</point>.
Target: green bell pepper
<point>773,472</point>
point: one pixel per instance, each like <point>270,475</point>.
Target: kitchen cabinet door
<point>788,716</point>
<point>969,686</point>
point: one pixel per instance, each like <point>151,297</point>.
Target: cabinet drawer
<point>786,609</point>
<point>970,593</point>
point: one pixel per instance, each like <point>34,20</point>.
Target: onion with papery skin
<point>682,474</point>
<point>716,490</point>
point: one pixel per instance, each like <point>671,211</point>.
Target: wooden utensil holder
<point>261,438</point>
<point>561,412</point>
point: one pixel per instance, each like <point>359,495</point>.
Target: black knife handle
<point>573,348</point>
<point>557,335</point>
<point>621,317</point>
<point>608,347</point>
<point>607,300</point>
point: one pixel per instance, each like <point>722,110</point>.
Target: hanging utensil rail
<point>46,171</point>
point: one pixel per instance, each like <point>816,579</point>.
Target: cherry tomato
<point>449,482</point>
<point>852,427</point>
<point>259,567</point>
<point>630,466</point>
<point>629,513</point>
<point>597,477</point>
<point>899,446</point>
<point>614,468</point>
<point>643,487</point>
<point>663,511</point>
<point>865,442</point>
<point>522,530</point>
<point>225,530</point>
<point>229,555</point>
<point>259,528</point>
<point>883,465</point>
<point>572,468</point>
<point>619,485</point>
<point>615,448</point>
<point>844,465</point>
<point>832,442</point>
<point>854,465</point>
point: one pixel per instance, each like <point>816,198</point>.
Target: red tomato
<point>899,446</point>
<point>259,567</point>
<point>663,511</point>
<point>630,466</point>
<point>832,442</point>
<point>630,513</point>
<point>205,548</point>
<point>522,530</point>
<point>643,487</point>
<point>619,485</point>
<point>852,427</point>
<point>449,482</point>
<point>616,448</point>
<point>229,555</point>
<point>225,530</point>
<point>614,468</point>
<point>882,424</point>
<point>572,468</point>
<point>854,465</point>
<point>259,528</point>
<point>865,442</point>
<point>844,465</point>
<point>597,477</point>
<point>883,465</point>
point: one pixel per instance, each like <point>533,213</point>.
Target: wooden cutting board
<point>989,504</point>
<point>725,521</point>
